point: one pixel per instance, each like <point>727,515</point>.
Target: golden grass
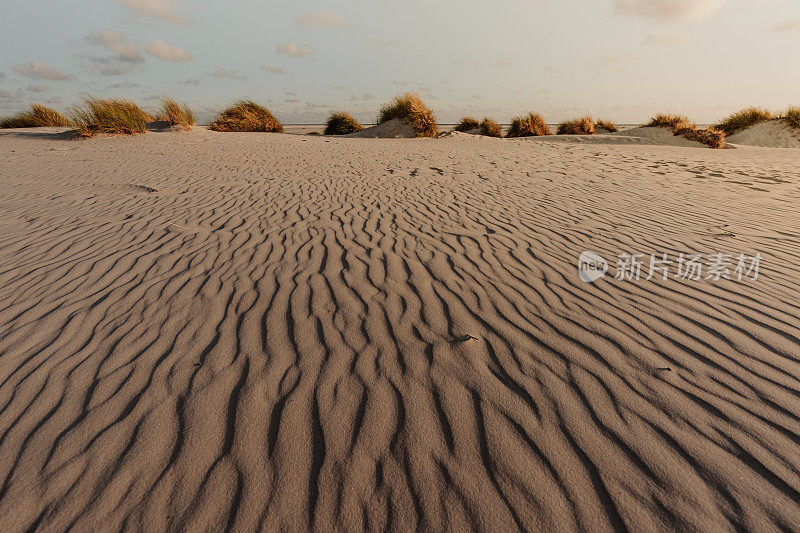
<point>176,114</point>
<point>246,115</point>
<point>341,123</point>
<point>669,121</point>
<point>467,124</point>
<point>114,116</point>
<point>712,137</point>
<point>744,119</point>
<point>39,116</point>
<point>490,128</point>
<point>792,117</point>
<point>528,126</point>
<point>579,126</point>
<point>607,125</point>
<point>412,108</point>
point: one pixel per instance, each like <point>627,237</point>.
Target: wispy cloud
<point>295,50</point>
<point>380,44</point>
<point>669,10</point>
<point>40,70</point>
<point>167,52</point>
<point>167,10</point>
<point>500,63</point>
<point>230,74</point>
<point>37,88</point>
<point>789,26</point>
<point>273,70</point>
<point>122,47</point>
<point>325,19</point>
<point>190,81</point>
<point>8,95</point>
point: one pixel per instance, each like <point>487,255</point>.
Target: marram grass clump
<point>669,121</point>
<point>175,113</point>
<point>467,124</point>
<point>792,117</point>
<point>341,123</point>
<point>531,125</point>
<point>713,137</point>
<point>39,116</point>
<point>744,119</point>
<point>411,108</point>
<point>606,125</point>
<point>114,116</point>
<point>490,128</point>
<point>579,126</point>
<point>246,115</point>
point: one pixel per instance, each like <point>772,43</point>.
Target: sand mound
<point>657,135</point>
<point>254,332</point>
<point>391,129</point>
<point>774,133</point>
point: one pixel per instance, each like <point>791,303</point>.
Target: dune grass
<point>744,119</point>
<point>412,108</point>
<point>792,117</point>
<point>39,116</point>
<point>672,122</point>
<point>342,123</point>
<point>490,128</point>
<point>531,125</point>
<point>246,115</point>
<point>114,116</point>
<point>712,137</point>
<point>175,113</point>
<point>607,125</point>
<point>579,126</point>
<point>467,124</point>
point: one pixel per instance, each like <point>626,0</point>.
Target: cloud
<point>39,70</point>
<point>551,69</point>
<point>191,81</point>
<point>665,39</point>
<point>380,44</point>
<point>324,19</point>
<point>225,73</point>
<point>292,100</point>
<point>294,50</point>
<point>167,10</point>
<point>167,52</point>
<point>669,10</point>
<point>123,47</point>
<point>8,95</point>
<point>789,25</point>
<point>399,83</point>
<point>500,63</point>
<point>273,70</point>
<point>361,98</point>
<point>37,88</point>
<point>110,70</point>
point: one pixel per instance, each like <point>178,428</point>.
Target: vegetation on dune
<point>712,137</point>
<point>246,115</point>
<point>530,125</point>
<point>607,125</point>
<point>580,126</point>
<point>115,116</point>
<point>412,108</point>
<point>341,123</point>
<point>467,124</point>
<point>490,128</point>
<point>176,114</point>
<point>744,119</point>
<point>39,116</point>
<point>672,122</point>
<point>792,117</point>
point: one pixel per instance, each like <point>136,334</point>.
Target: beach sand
<point>218,330</point>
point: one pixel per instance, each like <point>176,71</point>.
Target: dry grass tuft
<point>114,116</point>
<point>38,117</point>
<point>467,124</point>
<point>412,108</point>
<point>531,125</point>
<point>713,137</point>
<point>744,119</point>
<point>792,117</point>
<point>176,114</point>
<point>607,125</point>
<point>341,123</point>
<point>672,122</point>
<point>490,128</point>
<point>580,126</point>
<point>246,115</point>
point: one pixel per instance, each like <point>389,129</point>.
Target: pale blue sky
<point>617,59</point>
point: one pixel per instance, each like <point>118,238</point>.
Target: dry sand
<point>220,330</point>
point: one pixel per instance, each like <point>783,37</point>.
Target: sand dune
<point>773,134</point>
<point>205,331</point>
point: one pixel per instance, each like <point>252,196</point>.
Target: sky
<point>621,60</point>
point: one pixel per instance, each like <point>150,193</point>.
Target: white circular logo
<point>591,267</point>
